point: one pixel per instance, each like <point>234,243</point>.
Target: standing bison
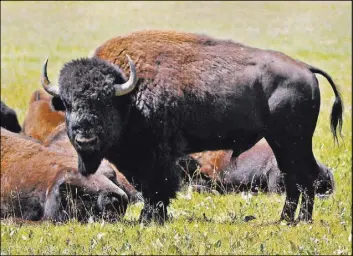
<point>191,93</point>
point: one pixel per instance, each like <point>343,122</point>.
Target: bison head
<point>88,93</point>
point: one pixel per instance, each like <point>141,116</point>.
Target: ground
<point>318,33</point>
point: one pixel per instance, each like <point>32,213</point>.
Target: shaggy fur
<point>38,183</point>
<point>47,125</point>
<point>9,119</point>
<point>194,93</point>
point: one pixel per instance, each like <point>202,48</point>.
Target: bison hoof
<point>305,218</point>
<point>137,198</point>
<point>111,207</point>
<point>149,214</point>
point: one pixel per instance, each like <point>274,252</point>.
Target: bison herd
<point>156,109</point>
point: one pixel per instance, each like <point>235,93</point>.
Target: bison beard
<point>88,164</point>
<point>194,93</point>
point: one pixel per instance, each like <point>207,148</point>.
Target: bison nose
<point>86,142</point>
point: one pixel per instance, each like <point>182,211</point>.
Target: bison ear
<point>37,95</point>
<point>56,104</point>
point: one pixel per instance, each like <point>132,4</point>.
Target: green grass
<point>318,33</point>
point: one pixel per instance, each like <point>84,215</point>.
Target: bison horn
<point>125,88</point>
<point>48,87</point>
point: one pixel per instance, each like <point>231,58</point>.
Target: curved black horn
<point>48,87</point>
<point>125,88</point>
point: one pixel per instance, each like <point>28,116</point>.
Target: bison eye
<point>57,104</point>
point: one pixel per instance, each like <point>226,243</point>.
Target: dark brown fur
<point>9,119</point>
<point>253,170</point>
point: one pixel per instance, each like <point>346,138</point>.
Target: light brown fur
<point>40,119</point>
<point>32,173</point>
<point>212,162</point>
<point>185,48</point>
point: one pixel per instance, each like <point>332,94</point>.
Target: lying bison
<point>191,93</point>
<point>211,163</point>
<point>257,169</point>
<point>253,170</point>
<point>47,125</point>
<point>9,119</point>
<point>41,119</point>
<point>38,183</point>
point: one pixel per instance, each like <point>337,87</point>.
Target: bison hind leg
<point>298,165</point>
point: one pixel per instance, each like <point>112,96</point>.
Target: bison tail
<point>337,108</point>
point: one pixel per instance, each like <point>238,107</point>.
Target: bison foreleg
<point>158,190</point>
<point>52,203</point>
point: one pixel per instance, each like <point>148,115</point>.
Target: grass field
<point>318,33</point>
